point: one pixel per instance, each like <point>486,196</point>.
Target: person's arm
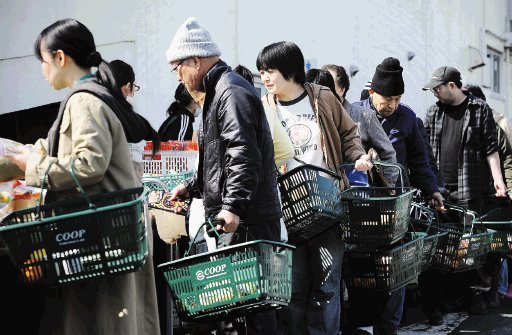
<point>421,174</point>
<point>490,146</point>
<point>505,153</point>
<point>238,122</point>
<point>382,145</point>
<point>283,147</point>
<point>172,128</point>
<point>351,145</point>
<point>493,160</point>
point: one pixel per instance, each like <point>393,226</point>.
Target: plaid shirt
<point>478,141</point>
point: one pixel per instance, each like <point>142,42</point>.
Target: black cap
<point>387,80</point>
<point>443,75</point>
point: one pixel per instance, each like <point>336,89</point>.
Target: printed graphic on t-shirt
<point>300,122</point>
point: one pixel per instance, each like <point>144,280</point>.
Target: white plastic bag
<point>8,147</point>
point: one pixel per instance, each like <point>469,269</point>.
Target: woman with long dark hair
<point>92,129</point>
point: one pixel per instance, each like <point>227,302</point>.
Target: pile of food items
<point>16,195</point>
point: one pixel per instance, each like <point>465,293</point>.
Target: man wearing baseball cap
<point>236,176</point>
<point>462,126</point>
<point>462,132</point>
<point>441,76</point>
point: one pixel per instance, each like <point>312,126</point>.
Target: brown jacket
<point>339,134</point>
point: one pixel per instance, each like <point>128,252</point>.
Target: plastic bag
<point>8,147</point>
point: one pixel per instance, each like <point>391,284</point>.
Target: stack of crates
<point>173,157</point>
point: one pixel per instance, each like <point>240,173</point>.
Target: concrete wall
<point>359,33</point>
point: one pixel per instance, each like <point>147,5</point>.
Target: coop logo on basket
<point>70,237</point>
<point>211,272</point>
<point>407,256</point>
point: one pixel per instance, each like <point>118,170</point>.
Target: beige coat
<point>123,304</point>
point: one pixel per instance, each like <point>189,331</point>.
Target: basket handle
<point>313,167</point>
<point>156,181</point>
<point>449,205</point>
<point>75,179</point>
<point>426,211</point>
<point>213,221</point>
<point>398,166</point>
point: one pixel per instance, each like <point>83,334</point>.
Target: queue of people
<point>242,138</point>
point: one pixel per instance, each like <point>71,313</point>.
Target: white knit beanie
<point>191,40</point>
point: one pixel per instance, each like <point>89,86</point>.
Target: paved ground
<point>498,322</point>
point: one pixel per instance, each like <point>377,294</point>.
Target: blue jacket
<point>411,151</point>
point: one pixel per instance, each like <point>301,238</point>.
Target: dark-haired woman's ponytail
<point>94,59</point>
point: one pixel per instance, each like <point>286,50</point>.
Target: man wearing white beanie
<point>236,176</point>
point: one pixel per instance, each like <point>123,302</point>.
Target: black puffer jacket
<point>236,169</point>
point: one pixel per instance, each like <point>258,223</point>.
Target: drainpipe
<point>235,37</point>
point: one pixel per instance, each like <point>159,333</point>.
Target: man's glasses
<point>177,66</point>
<point>135,87</point>
<point>437,89</point>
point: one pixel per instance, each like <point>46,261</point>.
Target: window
<point>495,67</point>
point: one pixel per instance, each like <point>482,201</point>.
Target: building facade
<point>474,36</point>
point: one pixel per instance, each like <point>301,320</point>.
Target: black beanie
<point>387,80</point>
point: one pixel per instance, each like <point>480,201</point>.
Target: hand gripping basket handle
<point>213,222</point>
<point>75,179</point>
<point>398,166</point>
<point>464,211</point>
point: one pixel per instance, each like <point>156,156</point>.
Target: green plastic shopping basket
<point>78,239</point>
<point>386,269</point>
<point>165,182</point>
<point>235,280</point>
<point>310,198</point>
<point>466,246</point>
<point>376,215</point>
<point>499,220</point>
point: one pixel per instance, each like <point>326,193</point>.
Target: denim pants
<point>394,307</point>
<point>503,279</point>
<point>316,273</point>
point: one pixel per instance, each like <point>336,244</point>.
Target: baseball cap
<point>443,75</point>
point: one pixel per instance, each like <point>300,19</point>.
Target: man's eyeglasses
<point>437,89</point>
<point>177,66</point>
<point>135,87</point>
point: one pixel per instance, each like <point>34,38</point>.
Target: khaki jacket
<point>122,304</point>
<point>339,134</point>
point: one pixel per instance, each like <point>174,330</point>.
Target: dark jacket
<point>478,141</point>
<point>236,169</point>
<point>411,151</point>
<point>178,126</point>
